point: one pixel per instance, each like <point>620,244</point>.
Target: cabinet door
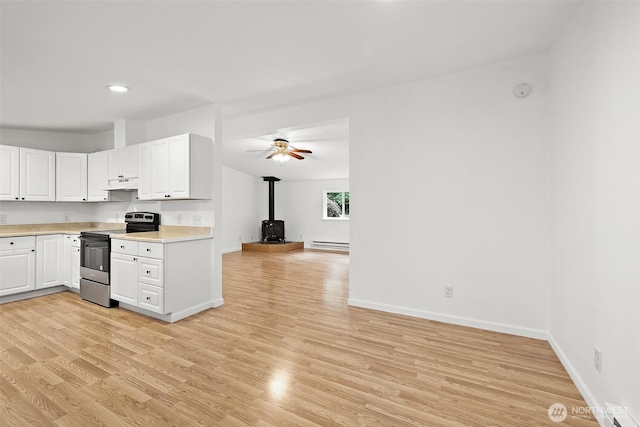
<point>17,271</point>
<point>144,171</point>
<point>66,259</point>
<point>114,163</point>
<point>129,167</point>
<point>124,278</point>
<point>179,167</point>
<point>160,169</point>
<point>9,173</point>
<point>75,268</point>
<point>97,176</point>
<point>37,175</point>
<point>49,261</point>
<point>151,271</point>
<point>71,177</point>
<point>151,298</point>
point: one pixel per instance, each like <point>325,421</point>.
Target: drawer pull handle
<point>135,259</point>
<point>148,250</point>
<point>148,298</point>
<point>148,272</point>
<point>11,243</point>
<point>121,247</point>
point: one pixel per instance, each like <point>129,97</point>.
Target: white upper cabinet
<point>160,168</point>
<point>144,171</point>
<point>181,167</point>
<point>37,175</point>
<point>97,179</point>
<point>71,177</point>
<point>123,163</point>
<point>9,172</point>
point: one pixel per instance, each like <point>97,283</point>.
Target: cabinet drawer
<point>10,243</point>
<point>151,271</point>
<point>75,241</point>
<point>151,298</point>
<point>124,247</point>
<point>151,250</point>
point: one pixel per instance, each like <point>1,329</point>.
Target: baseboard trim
<point>578,381</point>
<point>179,315</point>
<point>33,294</point>
<point>228,251</point>
<point>175,316</point>
<point>456,320</point>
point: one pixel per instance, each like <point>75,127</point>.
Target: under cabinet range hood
<point>122,160</point>
<point>123,184</point>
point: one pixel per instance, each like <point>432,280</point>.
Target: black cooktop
<point>103,232</point>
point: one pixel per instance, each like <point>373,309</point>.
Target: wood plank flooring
<point>285,349</point>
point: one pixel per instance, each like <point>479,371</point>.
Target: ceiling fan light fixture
<point>281,157</point>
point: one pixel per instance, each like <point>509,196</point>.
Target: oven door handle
<point>93,242</point>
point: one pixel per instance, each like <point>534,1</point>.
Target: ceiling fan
<point>283,151</point>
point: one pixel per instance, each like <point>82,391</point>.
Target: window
<point>336,204</point>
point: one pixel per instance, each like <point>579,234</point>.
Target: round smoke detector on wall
<point>522,90</point>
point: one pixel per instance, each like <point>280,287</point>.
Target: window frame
<point>324,205</point>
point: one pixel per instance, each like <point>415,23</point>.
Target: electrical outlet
<point>3,219</point>
<point>252,237</point>
<point>179,219</point>
<point>448,291</point>
<point>597,359</point>
<point>197,220</point>
<point>240,238</point>
<point>301,237</point>
<point>67,217</point>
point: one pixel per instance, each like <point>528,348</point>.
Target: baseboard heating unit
<point>322,244</point>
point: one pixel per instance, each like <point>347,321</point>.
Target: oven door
<point>94,259</point>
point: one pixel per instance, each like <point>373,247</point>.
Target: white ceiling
<point>57,57</point>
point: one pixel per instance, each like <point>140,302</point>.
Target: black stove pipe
<point>272,195</point>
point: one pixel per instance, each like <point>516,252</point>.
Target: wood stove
<point>272,229</point>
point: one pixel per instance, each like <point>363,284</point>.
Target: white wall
<point>300,205</point>
<point>595,281</point>
<point>241,208</point>
<point>449,186</point>
<point>52,141</point>
<point>46,212</point>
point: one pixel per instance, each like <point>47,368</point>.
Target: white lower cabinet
<point>71,261</point>
<point>151,298</point>
<point>75,268</point>
<point>170,279</point>
<point>49,261</point>
<point>17,265</point>
<point>137,280</point>
<point>124,276</point>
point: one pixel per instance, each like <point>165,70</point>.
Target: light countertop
<point>166,234</point>
<point>20,230</point>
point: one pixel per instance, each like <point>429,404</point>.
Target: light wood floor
<point>284,350</point>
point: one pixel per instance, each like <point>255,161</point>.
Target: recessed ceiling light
<point>118,88</point>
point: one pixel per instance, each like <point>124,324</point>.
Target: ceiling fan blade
<point>301,151</point>
<point>272,154</point>
<point>253,151</point>
<point>296,156</point>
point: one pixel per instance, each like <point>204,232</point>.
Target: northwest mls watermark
<point>558,412</point>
